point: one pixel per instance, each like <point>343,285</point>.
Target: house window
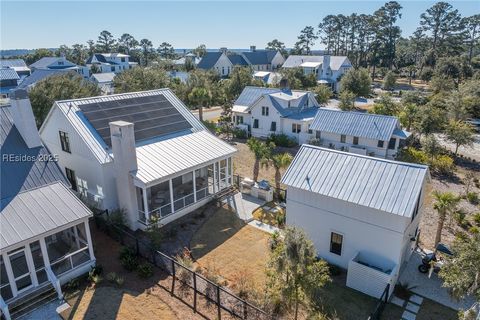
<point>83,187</point>
<point>273,126</point>
<point>355,141</point>
<point>310,131</point>
<point>391,144</point>
<point>255,123</point>
<point>289,104</point>
<point>223,70</point>
<point>60,63</point>
<point>336,241</point>
<point>123,59</point>
<point>380,143</point>
<point>112,68</point>
<point>343,138</point>
<point>265,111</point>
<point>239,119</point>
<point>64,141</point>
<point>318,134</point>
<point>228,70</point>
<point>296,127</point>
<point>71,178</point>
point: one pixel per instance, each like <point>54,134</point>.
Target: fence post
<point>173,276</point>
<point>245,310</point>
<point>194,292</point>
<point>219,308</point>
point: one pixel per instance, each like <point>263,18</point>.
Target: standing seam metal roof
<point>358,124</point>
<point>8,74</point>
<point>385,185</point>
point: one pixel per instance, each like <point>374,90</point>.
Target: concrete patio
<point>430,287</point>
<point>243,204</point>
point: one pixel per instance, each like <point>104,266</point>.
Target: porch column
<point>215,173</point>
<point>170,185</point>
<point>89,240</point>
<point>146,209</point>
<point>194,187</point>
<point>31,264</point>
<point>11,277</point>
<point>43,247</point>
<point>228,172</point>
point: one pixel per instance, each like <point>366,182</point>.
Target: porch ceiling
<point>38,211</point>
<point>166,158</point>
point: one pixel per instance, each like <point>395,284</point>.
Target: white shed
<point>360,212</point>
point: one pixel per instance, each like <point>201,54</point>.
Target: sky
<point>231,24</point>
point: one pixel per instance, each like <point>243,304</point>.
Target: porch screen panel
<point>158,198</point>
<point>203,183</point>
<point>38,262</point>
<point>5,289</point>
<point>183,191</point>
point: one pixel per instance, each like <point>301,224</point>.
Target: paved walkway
<point>430,287</point>
<point>44,312</point>
<point>243,205</point>
<point>410,308</point>
<point>263,226</point>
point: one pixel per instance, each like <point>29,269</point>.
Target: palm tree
<point>201,97</point>
<point>278,161</point>
<point>261,151</point>
<point>445,203</point>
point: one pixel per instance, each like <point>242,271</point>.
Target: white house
<point>327,69</point>
<point>144,152</point>
<point>268,77</point>
<point>362,213</point>
<point>18,65</point>
<point>104,81</point>
<point>45,238</point>
<point>265,111</point>
<point>358,132</point>
<point>259,60</point>
<point>9,80</point>
<point>110,62</point>
<point>59,63</point>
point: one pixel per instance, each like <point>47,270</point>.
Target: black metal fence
<point>186,284</point>
<point>382,301</point>
<point>278,193</point>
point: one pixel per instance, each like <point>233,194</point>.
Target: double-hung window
<point>380,143</point>
<point>255,123</point>
<point>391,144</point>
<point>355,141</point>
<point>343,138</point>
<point>71,178</point>
<point>64,141</point>
<point>336,241</point>
<point>273,126</point>
<point>296,127</point>
<point>265,111</point>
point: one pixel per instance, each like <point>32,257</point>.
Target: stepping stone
<point>412,307</point>
<point>407,315</point>
<point>397,301</point>
<point>416,299</point>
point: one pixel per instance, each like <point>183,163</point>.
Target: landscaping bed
<point>270,213</point>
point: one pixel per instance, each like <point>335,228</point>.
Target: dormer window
<point>60,63</point>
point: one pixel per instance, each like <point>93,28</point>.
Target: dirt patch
<point>114,303</point>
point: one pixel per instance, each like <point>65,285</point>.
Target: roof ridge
<point>360,113</point>
<point>306,145</point>
<point>113,95</point>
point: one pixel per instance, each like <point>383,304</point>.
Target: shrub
<point>472,197</point>
<point>474,230</point>
<point>314,142</point>
<point>117,217</point>
<point>443,165</point>
<point>184,276</point>
<point>334,270</point>
<point>280,218</point>
<point>459,216</point>
<point>413,155</point>
<point>96,270</point>
<point>119,281</point>
<point>145,270</point>
<point>240,134</point>
<point>72,284</point>
<point>128,259</point>
<point>111,276</point>
<point>274,240</point>
<point>282,140</point>
<point>476,218</point>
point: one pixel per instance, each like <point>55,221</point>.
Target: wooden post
<point>173,277</point>
<point>219,308</point>
<point>245,310</point>
<point>194,292</point>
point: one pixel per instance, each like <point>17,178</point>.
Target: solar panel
<point>152,116</point>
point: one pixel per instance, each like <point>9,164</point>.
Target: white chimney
<point>124,162</point>
<point>325,64</point>
<point>24,119</point>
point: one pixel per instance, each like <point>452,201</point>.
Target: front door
<point>22,269</point>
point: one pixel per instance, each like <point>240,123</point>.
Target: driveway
<point>209,114</point>
<point>467,151</point>
<point>430,287</point>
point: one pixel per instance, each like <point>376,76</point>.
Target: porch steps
<point>32,301</point>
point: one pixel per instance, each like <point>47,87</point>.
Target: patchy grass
<point>228,246</point>
<point>267,215</point>
<point>430,310</point>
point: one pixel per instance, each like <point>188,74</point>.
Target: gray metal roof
<point>12,63</point>
<point>39,75</point>
<point>389,186</point>
<point>357,124</point>
<point>46,62</point>
<point>294,61</point>
<point>209,59</point>
<point>103,77</point>
<point>36,170</point>
<point>251,94</point>
<point>259,57</point>
<point>8,74</point>
<point>37,211</point>
<point>183,151</point>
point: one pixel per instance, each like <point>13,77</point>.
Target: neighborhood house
<point>143,152</point>
<point>45,239</point>
<point>362,213</point>
<point>59,63</point>
<point>109,62</point>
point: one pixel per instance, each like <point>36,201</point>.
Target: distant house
<point>268,77</point>
<point>18,65</point>
<point>104,81</point>
<point>327,69</point>
<point>59,63</point>
<point>362,213</point>
<point>260,60</point>
<point>265,111</point>
<point>144,152</point>
<point>187,58</point>
<point>8,81</point>
<point>358,132</point>
<point>40,74</point>
<point>110,62</point>
<point>45,237</point>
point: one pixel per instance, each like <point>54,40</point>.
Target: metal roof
<point>104,77</point>
<point>8,74</point>
<point>251,94</point>
<point>45,62</point>
<point>209,59</point>
<point>386,185</point>
<point>357,124</point>
<point>39,75</point>
<point>336,62</point>
<point>13,63</point>
<point>159,160</point>
<point>237,60</point>
<point>35,168</point>
<point>38,211</point>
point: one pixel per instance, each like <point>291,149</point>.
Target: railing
<point>4,308</point>
<point>382,301</point>
<point>184,280</point>
<point>55,282</point>
<point>70,261</point>
<point>91,199</point>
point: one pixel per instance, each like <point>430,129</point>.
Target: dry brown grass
<point>115,303</point>
<point>229,246</point>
